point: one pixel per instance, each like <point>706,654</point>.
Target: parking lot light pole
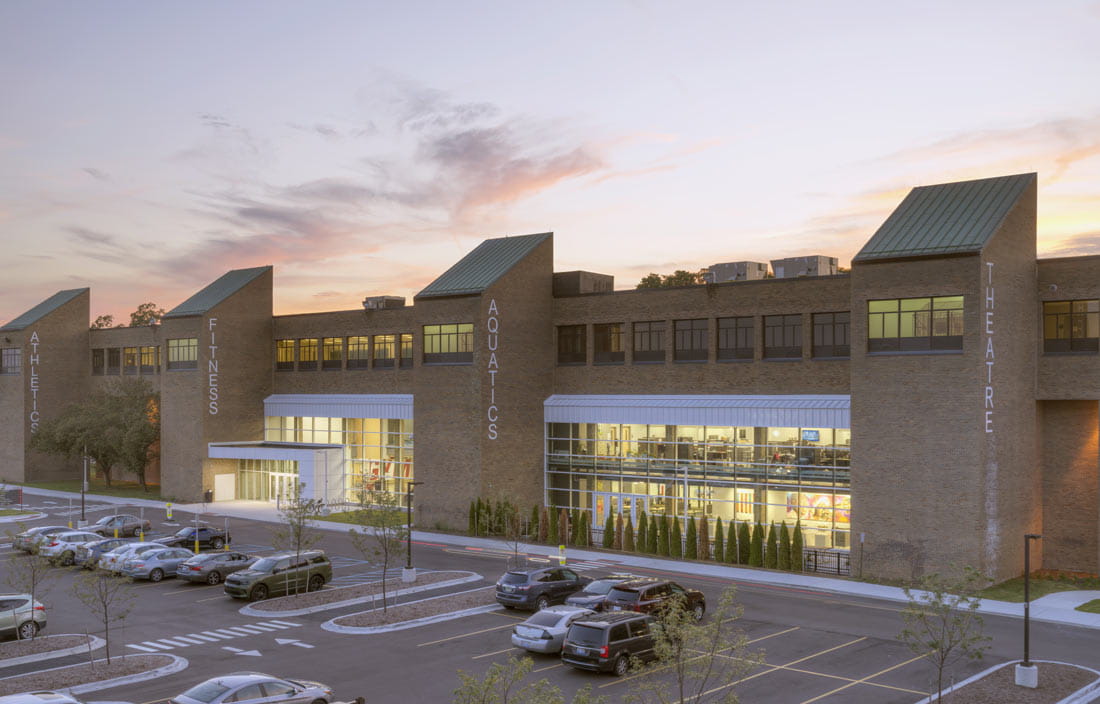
<point>84,486</point>
<point>1027,675</point>
<point>409,522</point>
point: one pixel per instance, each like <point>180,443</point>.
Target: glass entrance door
<point>281,486</point>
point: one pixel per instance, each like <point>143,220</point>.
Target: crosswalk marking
<point>212,636</point>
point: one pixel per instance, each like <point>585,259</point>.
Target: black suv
<point>209,537</point>
<point>538,588</point>
<point>607,642</point>
<point>594,593</point>
<point>653,595</point>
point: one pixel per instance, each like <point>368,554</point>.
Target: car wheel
<point>259,593</point>
<point>621,667</point>
<point>156,575</point>
<point>542,602</point>
<point>316,582</point>
<point>509,606</point>
<point>217,543</point>
<point>318,701</point>
<point>67,558</point>
<point>27,630</point>
<point>698,611</point>
<point>214,577</point>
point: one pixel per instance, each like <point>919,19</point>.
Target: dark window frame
<point>308,347</point>
<point>99,361</point>
<point>934,324</point>
<point>405,350</point>
<point>332,353</point>
<point>285,350</point>
<point>358,352</point>
<point>649,341</point>
<point>384,350</point>
<point>736,337</point>
<point>1071,327</point>
<point>572,344</point>
<point>691,340</point>
<point>608,343</point>
<point>783,336</point>
<point>448,343</point>
<point>832,335</point>
<point>114,361</point>
<point>182,356</point>
<point>151,354</point>
<point>130,361</point>
<point>11,361</point>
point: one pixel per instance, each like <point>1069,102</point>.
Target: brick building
<point>926,409</point>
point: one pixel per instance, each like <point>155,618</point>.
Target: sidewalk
<point>1052,608</point>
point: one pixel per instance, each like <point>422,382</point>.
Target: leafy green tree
<point>691,546</point>
<point>609,531</point>
<point>784,561</point>
<point>135,408</point>
<point>501,684</point>
<point>704,539</point>
<point>796,547</point>
<point>744,544</point>
<point>730,553</point>
<point>628,534</point>
<point>719,541</point>
<point>103,322</point>
<point>676,540</point>
<point>680,277</point>
<point>107,597</point>
<point>653,536</point>
<point>642,543</point>
<point>617,541</point>
<point>771,555</point>
<point>544,525</point>
<point>696,662</point>
<point>662,537</point>
<point>382,532</point>
<point>552,534</point>
<point>298,530</point>
<point>756,551</point>
<point>146,314</point>
<point>942,622</point>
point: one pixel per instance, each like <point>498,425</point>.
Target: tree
<point>29,574</point>
<point>719,541</point>
<point>533,526</point>
<point>652,539</point>
<point>586,534</point>
<point>732,552</point>
<point>784,560</point>
<point>563,527</point>
<point>642,543</point>
<point>103,322</point>
<point>942,622</point>
<point>662,537</point>
<point>704,539</point>
<point>628,534</point>
<point>609,531</point>
<point>744,544</point>
<point>680,277</point>
<point>696,662</point>
<point>108,597</point>
<point>676,540</point>
<point>756,549</point>
<point>136,410</point>
<point>552,534</point>
<point>298,530</point>
<point>691,547</point>
<point>796,547</point>
<point>146,314</point>
<point>575,527</point>
<point>771,555</point>
<point>501,685</point>
<point>382,533</point>
<point>471,520</point>
<point>544,525</point>
<point>512,530</point>
<point>617,541</point>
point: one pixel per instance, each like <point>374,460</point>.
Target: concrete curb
<point>331,624</point>
<point>1077,697</point>
<point>178,664</point>
<point>95,644</point>
<point>24,517</point>
<point>248,610</point>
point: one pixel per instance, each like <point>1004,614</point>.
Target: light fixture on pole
<point>1027,674</point>
<point>408,574</point>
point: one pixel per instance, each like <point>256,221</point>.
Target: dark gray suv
<point>538,588</point>
<point>608,642</point>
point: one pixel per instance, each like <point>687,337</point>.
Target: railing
<point>826,561</point>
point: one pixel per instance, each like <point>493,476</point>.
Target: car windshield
<point>600,586</point>
<point>622,594</point>
<point>544,618</point>
<point>513,578</point>
<point>264,564</point>
<point>585,635</point>
<point>206,692</point>
<point>105,520</point>
<point>185,532</point>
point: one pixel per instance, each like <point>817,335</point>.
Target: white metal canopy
<point>398,406</point>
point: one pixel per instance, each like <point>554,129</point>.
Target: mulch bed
<point>331,595</point>
<point>1056,682</point>
<point>41,644</point>
<point>421,609</point>
<point>83,674</point>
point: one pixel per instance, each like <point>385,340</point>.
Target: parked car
<point>61,547</point>
<point>209,537</point>
<point>28,539</point>
<point>41,696</point>
<point>213,567</point>
<point>21,616</point>
<point>285,573</point>
<point>545,630</point>
<point>112,559</point>
<point>607,642</point>
<point>538,588</point>
<point>155,565</point>
<point>253,688</point>
<point>127,525</point>
<point>648,595</point>
<point>88,554</point>
<point>594,593</point>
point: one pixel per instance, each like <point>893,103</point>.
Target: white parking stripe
<point>212,636</point>
<point>187,639</point>
<point>249,630</point>
<point>205,639</point>
<point>286,623</point>
<point>265,627</point>
<point>171,642</point>
<point>273,625</point>
<point>215,634</point>
<point>142,648</point>
<point>232,633</point>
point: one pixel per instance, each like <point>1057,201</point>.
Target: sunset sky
<point>363,147</point>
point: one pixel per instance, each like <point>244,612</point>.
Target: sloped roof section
<point>949,218</point>
<point>479,269</point>
<point>43,309</point>
<point>226,285</point>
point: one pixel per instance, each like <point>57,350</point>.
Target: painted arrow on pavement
<point>292,641</point>
<point>238,651</point>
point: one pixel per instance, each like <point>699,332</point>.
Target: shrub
<point>472,522</point>
<point>609,531</point>
<point>618,541</point>
<point>719,541</point>
<point>676,540</point>
<point>744,544</point>
<point>652,539</point>
<point>704,539</point>
<point>642,544</point>
<point>731,544</point>
<point>756,550</point>
<point>663,537</point>
<point>553,534</point>
<point>771,555</point>
<point>628,535</point>
<point>784,560</point>
<point>796,547</point>
<point>691,548</point>
<point>544,525</point>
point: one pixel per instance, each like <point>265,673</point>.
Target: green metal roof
<point>482,267</point>
<point>949,218</point>
<point>43,309</point>
<point>228,284</point>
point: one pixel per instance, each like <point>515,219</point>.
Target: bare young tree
<point>942,622</point>
<point>696,662</point>
<point>110,598</point>
<point>298,532</point>
<point>29,574</point>
<point>383,533</point>
<point>501,685</point>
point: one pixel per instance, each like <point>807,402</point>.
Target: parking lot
<point>816,647</point>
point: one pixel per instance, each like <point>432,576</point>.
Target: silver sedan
<point>155,565</point>
<point>212,567</point>
<point>545,631</point>
<point>255,688</point>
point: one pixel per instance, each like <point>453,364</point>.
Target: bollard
<point>561,554</point>
<point>168,510</point>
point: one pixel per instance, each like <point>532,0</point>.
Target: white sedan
<point>112,559</point>
<point>62,547</point>
<point>545,631</point>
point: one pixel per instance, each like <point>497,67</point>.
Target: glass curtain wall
<point>378,452</point>
<point>735,473</point>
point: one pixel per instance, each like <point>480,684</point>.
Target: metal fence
<point>827,561</point>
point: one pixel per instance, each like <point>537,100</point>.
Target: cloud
<point>335,190</point>
<point>96,173</point>
<point>216,121</point>
<point>1085,243</point>
<point>85,235</point>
